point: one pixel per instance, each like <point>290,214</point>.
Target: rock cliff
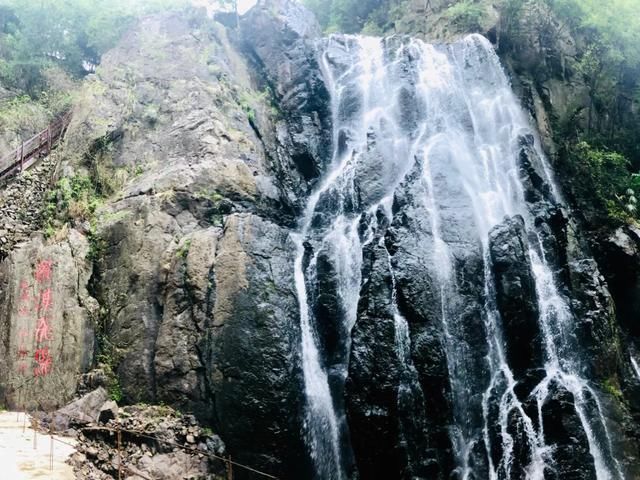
<point>198,148</point>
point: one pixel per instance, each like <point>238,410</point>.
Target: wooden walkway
<point>35,148</point>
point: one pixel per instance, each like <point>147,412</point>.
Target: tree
<point>71,34</point>
<point>350,16</point>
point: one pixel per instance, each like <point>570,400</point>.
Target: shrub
<point>466,15</point>
<point>603,182</point>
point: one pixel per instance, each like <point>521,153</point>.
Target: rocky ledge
<point>140,441</point>
<point>21,202</point>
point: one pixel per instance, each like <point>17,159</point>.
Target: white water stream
<point>461,125</point>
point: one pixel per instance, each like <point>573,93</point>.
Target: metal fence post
<point>119,439</point>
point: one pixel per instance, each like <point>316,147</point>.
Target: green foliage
<point>107,360</point>
<point>612,387</point>
<point>616,23</point>
<point>183,250</point>
<point>71,34</point>
<point>354,16</point>
<point>249,100</point>
<point>115,390</point>
<point>610,64</point>
<point>21,116</point>
<point>466,15</point>
<point>72,198</point>
<point>603,182</point>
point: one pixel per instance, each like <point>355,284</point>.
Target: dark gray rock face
<point>386,434</point>
<point>281,38</point>
<point>254,351</point>
<point>516,295</point>
<point>563,429</point>
<point>618,255</point>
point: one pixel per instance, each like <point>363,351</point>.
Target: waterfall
<point>447,112</point>
<point>636,367</point>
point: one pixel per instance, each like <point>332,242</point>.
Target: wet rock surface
<point>192,266</point>
<point>563,428</point>
<point>283,42</point>
<point>516,295</point>
<point>374,372</point>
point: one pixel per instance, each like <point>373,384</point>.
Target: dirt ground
<point>18,458</point>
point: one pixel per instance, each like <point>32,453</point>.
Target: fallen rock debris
<point>153,442</point>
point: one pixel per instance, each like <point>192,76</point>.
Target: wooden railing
<point>35,148</point>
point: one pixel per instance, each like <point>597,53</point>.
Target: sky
<point>244,5</point>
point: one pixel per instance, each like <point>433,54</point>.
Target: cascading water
<point>636,367</point>
<point>401,106</point>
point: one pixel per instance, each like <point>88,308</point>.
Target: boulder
<point>108,411</point>
<point>42,356</point>
<point>85,410</point>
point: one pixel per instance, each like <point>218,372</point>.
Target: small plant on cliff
<point>466,15</point>
<point>115,390</point>
<point>108,360</point>
<point>183,250</point>
<point>73,198</point>
<point>603,181</point>
<point>612,387</point>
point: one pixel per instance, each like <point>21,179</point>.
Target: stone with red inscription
<point>44,362</point>
<point>44,270</point>
<point>43,330</point>
<point>46,300</point>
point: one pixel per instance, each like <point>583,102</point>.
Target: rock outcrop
<point>516,296</point>
<point>281,39</point>
<point>202,145</point>
<point>46,321</point>
<point>193,265</point>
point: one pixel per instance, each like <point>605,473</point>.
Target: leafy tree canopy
<point>352,16</point>
<point>71,34</point>
<point>617,22</point>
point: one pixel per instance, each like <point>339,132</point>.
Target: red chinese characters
<point>44,270</point>
<point>23,352</point>
<point>46,301</point>
<point>43,330</point>
<point>44,362</point>
<point>44,306</point>
<point>35,310</point>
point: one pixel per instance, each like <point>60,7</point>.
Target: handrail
<point>38,146</point>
